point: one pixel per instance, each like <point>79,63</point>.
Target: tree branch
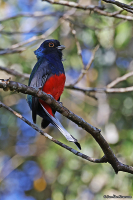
<point>119,79</point>
<point>10,51</point>
<point>77,153</point>
<point>119,4</point>
<point>94,8</point>
<point>74,5</point>
<point>86,91</point>
<point>37,14</point>
<point>87,67</point>
<point>14,72</point>
<point>79,50</point>
<point>95,132</point>
<point>14,48</point>
<point>99,90</point>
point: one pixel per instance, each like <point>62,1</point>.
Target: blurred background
<point>31,166</point>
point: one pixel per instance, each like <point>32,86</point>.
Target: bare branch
<point>14,48</point>
<point>14,72</point>
<point>10,51</point>
<point>38,14</point>
<point>73,4</point>
<point>87,67</point>
<point>119,4</point>
<point>119,90</point>
<point>96,9</point>
<point>79,51</point>
<point>18,87</point>
<point>77,153</point>
<point>20,32</point>
<point>109,155</point>
<point>14,162</point>
<point>95,132</point>
<point>119,79</point>
<point>86,91</point>
<point>99,90</point>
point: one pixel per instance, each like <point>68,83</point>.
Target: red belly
<point>54,86</point>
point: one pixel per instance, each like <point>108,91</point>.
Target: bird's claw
<point>51,96</point>
<point>40,88</point>
<point>5,80</point>
<point>61,103</point>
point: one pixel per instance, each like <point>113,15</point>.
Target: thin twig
<point>37,14</point>
<point>99,90</point>
<point>14,162</point>
<point>20,32</point>
<point>11,51</point>
<point>14,72</point>
<point>32,39</point>
<point>94,8</point>
<point>73,4</point>
<point>79,51</point>
<point>87,67</point>
<point>86,91</point>
<point>119,79</point>
<point>95,132</point>
<point>101,160</point>
<point>119,4</point>
<point>14,47</point>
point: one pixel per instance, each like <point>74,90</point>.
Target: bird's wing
<point>39,76</point>
<point>57,124</point>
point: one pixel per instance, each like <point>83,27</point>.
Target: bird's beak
<point>61,47</point>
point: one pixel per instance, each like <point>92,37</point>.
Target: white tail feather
<point>57,123</point>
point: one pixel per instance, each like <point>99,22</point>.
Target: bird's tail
<point>58,125</point>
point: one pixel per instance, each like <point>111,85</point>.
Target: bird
<point>48,75</point>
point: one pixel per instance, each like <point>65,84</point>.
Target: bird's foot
<point>60,103</point>
<point>50,96</point>
<point>5,80</point>
<point>39,88</point>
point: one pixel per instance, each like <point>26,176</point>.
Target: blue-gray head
<point>49,46</point>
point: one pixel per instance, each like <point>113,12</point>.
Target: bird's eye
<point>51,44</point>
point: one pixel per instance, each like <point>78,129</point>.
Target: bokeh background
<point>31,166</point>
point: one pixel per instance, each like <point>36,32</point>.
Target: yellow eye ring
<point>51,44</point>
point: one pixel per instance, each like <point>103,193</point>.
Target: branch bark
<point>14,72</point>
<point>109,156</point>
<point>87,91</point>
<point>94,8</point>
<point>87,67</point>
<point>77,153</point>
<point>119,4</point>
<point>120,79</point>
<point>14,48</point>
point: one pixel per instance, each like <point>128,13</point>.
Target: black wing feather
<point>38,80</point>
<point>35,103</point>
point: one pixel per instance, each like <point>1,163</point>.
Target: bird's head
<point>49,46</point>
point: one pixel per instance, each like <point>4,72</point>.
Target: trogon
<point>48,74</point>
